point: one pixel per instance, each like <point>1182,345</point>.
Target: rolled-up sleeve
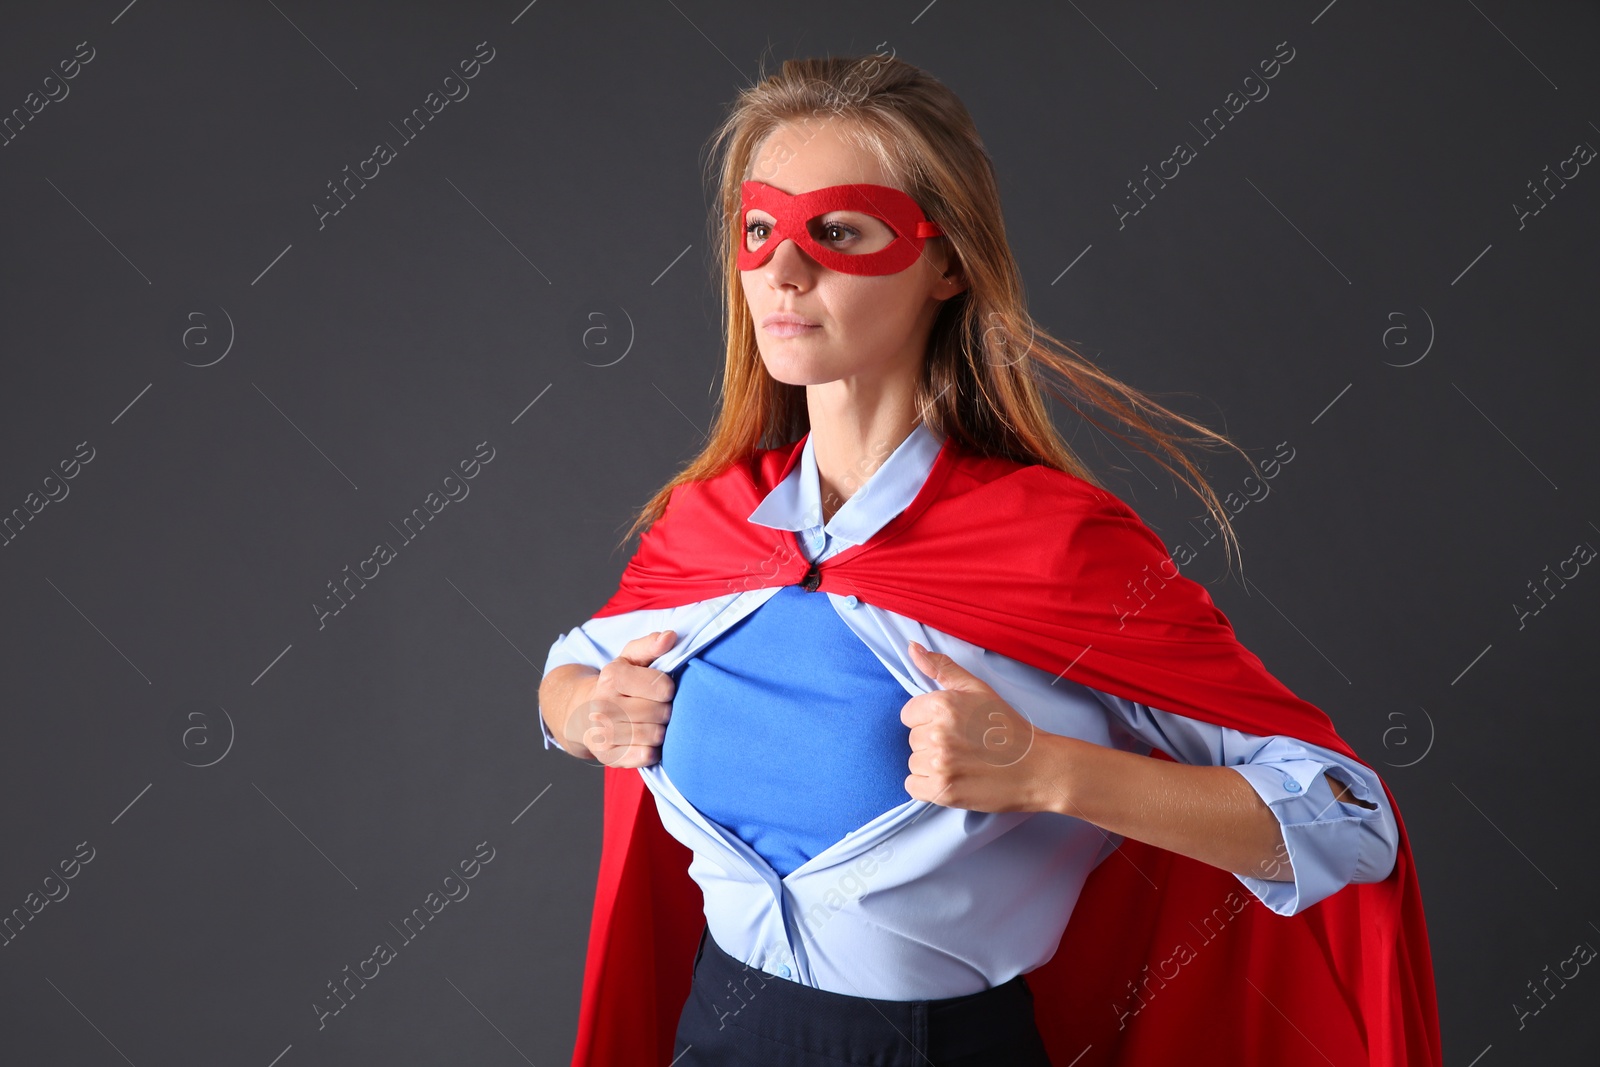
<point>1330,843</point>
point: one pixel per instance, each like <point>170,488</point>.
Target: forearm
<point>562,692</point>
<point>1205,812</point>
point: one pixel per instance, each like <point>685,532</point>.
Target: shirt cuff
<point>1329,843</point>
<point>549,738</point>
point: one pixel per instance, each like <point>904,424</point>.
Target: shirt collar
<point>796,502</point>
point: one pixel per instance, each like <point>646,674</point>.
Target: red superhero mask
<point>796,215</point>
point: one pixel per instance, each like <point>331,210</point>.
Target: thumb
<point>945,670</point>
<point>643,650</point>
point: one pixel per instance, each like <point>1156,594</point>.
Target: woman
<point>883,440</point>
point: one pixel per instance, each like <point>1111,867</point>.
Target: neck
<point>851,440</point>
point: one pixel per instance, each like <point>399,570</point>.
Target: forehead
<point>801,156</point>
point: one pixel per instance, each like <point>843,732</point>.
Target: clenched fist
<point>630,705</point>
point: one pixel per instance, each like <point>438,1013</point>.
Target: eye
<point>826,231</point>
<point>832,232</point>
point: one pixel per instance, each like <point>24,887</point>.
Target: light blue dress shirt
<point>927,901</point>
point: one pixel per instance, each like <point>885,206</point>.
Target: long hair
<point>988,362</point>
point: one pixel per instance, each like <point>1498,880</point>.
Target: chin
<point>797,368</point>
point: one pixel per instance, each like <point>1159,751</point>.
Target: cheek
<point>871,306</point>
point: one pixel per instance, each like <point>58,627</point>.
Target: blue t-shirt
<point>786,730</point>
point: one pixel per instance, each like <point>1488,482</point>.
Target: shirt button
<point>783,970</point>
<point>1292,786</point>
<point>851,601</point>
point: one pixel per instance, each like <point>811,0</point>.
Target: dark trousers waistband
<point>738,1014</point>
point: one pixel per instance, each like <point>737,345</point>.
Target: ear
<point>952,279</point>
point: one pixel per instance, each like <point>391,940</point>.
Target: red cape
<point>1041,566</point>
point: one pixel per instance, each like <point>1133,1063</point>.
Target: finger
<point>926,707</point>
<point>641,710</point>
<point>637,714</point>
<point>915,712</point>
<point>627,750</point>
<point>944,670</point>
<point>632,680</point>
<point>643,650</point>
<point>622,731</point>
<point>627,733</point>
<point>641,757</point>
<point>638,756</point>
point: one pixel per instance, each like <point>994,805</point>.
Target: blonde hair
<point>988,362</point>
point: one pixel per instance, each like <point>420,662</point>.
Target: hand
<point>630,704</point>
<point>968,746</point>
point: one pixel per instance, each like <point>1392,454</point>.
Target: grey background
<point>161,616</point>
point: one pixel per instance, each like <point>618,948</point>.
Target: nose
<point>788,261</point>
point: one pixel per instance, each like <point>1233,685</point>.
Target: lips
<point>788,324</point>
<point>786,318</point>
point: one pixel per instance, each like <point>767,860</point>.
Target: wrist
<point>577,722</point>
<point>568,699</point>
<point>1064,767</point>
